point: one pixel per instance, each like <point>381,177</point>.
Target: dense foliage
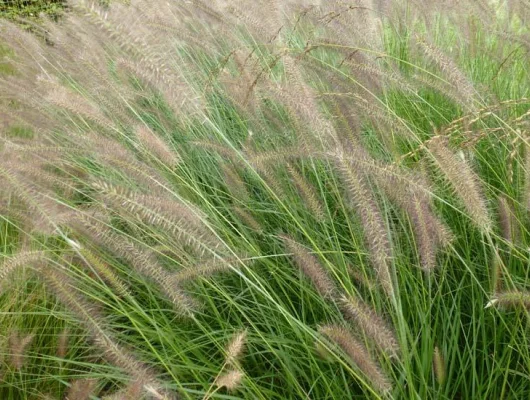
<point>30,9</point>
<point>266,200</point>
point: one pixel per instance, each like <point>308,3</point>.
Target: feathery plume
<point>358,355</point>
<point>235,348</point>
<point>230,380</point>
<point>105,272</point>
<point>347,119</point>
<point>248,219</point>
<point>323,352</point>
<point>507,220</point>
<point>311,267</point>
<point>411,193</point>
<point>429,231</point>
<point>510,299</point>
<point>438,365</point>
<point>445,89</point>
<point>163,207</point>
<point>75,104</point>
<point>234,183</point>
<point>302,103</point>
<point>375,231</point>
<point>115,155</point>
<point>378,75</point>
<point>38,199</point>
<point>526,166</point>
<point>65,291</point>
<point>307,193</point>
<point>156,146</point>
<point>168,83</point>
<point>21,259</point>
<point>17,346</point>
<point>62,343</point>
<point>81,389</point>
<point>181,220</point>
<point>142,260</point>
<point>496,271</point>
<point>262,161</point>
<point>373,326</point>
<point>458,79</point>
<point>208,268</point>
<point>381,118</point>
<point>463,180</point>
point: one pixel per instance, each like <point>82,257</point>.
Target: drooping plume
<point>311,267</point>
<point>374,326</point>
<point>375,231</point>
<point>359,355</point>
<point>18,346</point>
<point>464,181</point>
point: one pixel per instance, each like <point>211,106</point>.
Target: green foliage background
<point>13,9</point>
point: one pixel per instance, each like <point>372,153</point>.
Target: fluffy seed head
<point>307,193</point>
<point>373,326</point>
<point>358,355</point>
<point>18,345</point>
<point>463,180</point>
<point>62,343</point>
<point>19,260</point>
<point>507,219</point>
<point>230,380</point>
<point>81,389</point>
<point>236,347</point>
<point>311,267</point>
<point>156,146</point>
<point>511,299</point>
<point>438,365</point>
<point>375,232</point>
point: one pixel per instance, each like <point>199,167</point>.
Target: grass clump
<point>266,200</point>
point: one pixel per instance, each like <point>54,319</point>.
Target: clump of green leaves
<point>31,9</point>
